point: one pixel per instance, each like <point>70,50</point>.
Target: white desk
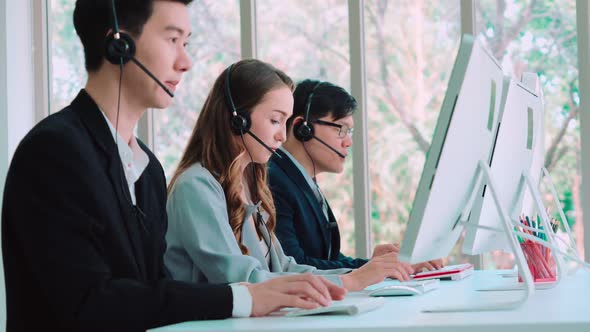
<point>563,308</point>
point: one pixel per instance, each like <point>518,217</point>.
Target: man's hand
<point>383,249</point>
<point>376,270</point>
<point>430,266</point>
<point>304,291</point>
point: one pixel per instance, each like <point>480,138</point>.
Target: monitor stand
<point>484,172</point>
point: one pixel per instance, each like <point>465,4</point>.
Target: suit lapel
<point>128,212</point>
<point>334,234</point>
<point>301,183</point>
<point>142,188</point>
<point>96,124</point>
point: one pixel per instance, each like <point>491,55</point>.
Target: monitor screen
<point>463,136</point>
<point>533,82</point>
<point>512,156</point>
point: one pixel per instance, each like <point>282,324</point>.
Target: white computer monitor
<point>533,82</point>
<point>515,143</point>
<point>463,137</point>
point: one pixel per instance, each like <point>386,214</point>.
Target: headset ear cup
<point>303,132</point>
<point>117,49</point>
<point>240,123</point>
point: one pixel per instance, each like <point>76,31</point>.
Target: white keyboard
<point>348,306</point>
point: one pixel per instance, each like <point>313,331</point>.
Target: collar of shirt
<point>134,159</point>
<point>251,209</point>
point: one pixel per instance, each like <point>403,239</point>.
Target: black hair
<point>327,99</point>
<point>93,19</point>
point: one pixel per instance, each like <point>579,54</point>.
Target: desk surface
<point>565,307</point>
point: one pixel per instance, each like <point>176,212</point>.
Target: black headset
<point>119,48</point>
<point>304,131</point>
<point>240,121</point>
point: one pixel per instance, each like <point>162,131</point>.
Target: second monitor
<point>515,144</point>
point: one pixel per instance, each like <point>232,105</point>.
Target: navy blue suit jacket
<point>302,228</point>
<point>77,255</point>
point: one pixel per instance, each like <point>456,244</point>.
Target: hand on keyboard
<point>430,266</point>
<point>304,291</point>
<point>376,270</point>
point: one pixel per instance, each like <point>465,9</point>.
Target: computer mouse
<point>395,290</point>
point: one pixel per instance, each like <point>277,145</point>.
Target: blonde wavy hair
<point>213,144</point>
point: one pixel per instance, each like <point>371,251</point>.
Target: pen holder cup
<point>540,262</point>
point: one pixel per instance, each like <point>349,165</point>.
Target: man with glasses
<point>319,134</point>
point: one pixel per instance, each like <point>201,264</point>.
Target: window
<point>410,53</point>
<point>309,39</point>
<point>540,37</point>
<point>214,45</point>
<point>67,56</point>
<point>410,49</point>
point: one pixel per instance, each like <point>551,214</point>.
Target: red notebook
<point>451,272</point>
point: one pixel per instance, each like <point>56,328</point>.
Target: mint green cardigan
<point>201,246</point>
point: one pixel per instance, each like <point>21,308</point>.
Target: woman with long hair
<point>220,209</point>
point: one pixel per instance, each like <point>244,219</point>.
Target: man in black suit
<point>319,134</point>
<point>84,211</point>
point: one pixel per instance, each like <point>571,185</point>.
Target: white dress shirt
<point>134,159</point>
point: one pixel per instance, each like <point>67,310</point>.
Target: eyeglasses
<point>342,129</point>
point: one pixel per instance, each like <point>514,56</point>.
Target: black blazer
<point>77,255</point>
<point>302,228</point>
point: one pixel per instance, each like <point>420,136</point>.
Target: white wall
<point>17,102</point>
<point>20,87</point>
<point>17,111</point>
<point>3,147</point>
<point>3,97</point>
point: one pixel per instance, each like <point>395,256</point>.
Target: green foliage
<point>567,204</point>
